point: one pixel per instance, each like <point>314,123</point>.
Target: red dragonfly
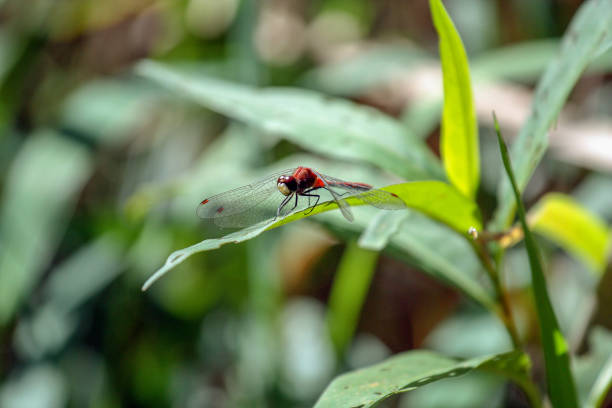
<point>270,198</point>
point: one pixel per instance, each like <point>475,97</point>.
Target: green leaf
<point>562,220</point>
<point>332,127</point>
<point>177,257</point>
<point>348,293</point>
<point>582,42</point>
<point>561,388</point>
<point>41,189</point>
<point>436,199</point>
<point>459,138</point>
<point>407,371</point>
<point>478,389</point>
<point>380,230</point>
<point>440,202</point>
<point>418,243</point>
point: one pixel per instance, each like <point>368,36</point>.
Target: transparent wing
<point>342,204</point>
<point>364,192</point>
<point>260,200</point>
<point>246,205</point>
<point>381,199</point>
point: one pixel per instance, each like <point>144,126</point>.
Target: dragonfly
<point>283,193</point>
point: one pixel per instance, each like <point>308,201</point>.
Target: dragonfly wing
<point>381,199</point>
<point>366,193</point>
<point>342,204</point>
<point>244,206</point>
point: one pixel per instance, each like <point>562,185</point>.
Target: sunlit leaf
<point>561,388</point>
<point>459,137</point>
<point>436,199</point>
<point>582,42</point>
<point>407,371</point>
<point>332,127</point>
<point>562,220</point>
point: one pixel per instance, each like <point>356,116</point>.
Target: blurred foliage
<point>118,117</point>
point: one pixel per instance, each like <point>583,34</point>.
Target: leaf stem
<point>505,313</point>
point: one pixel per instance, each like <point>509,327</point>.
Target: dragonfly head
<point>286,185</point>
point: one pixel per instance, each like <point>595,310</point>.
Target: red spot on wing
<point>219,210</point>
<point>319,183</point>
<point>204,202</point>
<point>394,195</point>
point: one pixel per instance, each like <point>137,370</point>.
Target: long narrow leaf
<point>562,220</point>
<point>459,138</point>
<point>561,387</point>
<point>332,127</point>
<point>582,42</point>
<point>348,293</point>
<point>436,199</point>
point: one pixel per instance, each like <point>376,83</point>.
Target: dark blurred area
<point>101,171</point>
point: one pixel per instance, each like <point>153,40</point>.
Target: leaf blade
<point>561,387</point>
<point>381,228</point>
<point>348,293</point>
<point>410,370</point>
<point>332,127</point>
<point>436,199</point>
<point>562,220</point>
<point>459,134</point>
<point>582,42</point>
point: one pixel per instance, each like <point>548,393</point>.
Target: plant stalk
<point>506,312</point>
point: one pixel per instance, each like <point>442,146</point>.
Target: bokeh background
<point>101,171</point>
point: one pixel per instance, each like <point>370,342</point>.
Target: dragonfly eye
<point>282,187</point>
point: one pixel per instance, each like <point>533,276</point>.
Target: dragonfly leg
<point>311,208</point>
<point>284,203</point>
<point>294,205</point>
